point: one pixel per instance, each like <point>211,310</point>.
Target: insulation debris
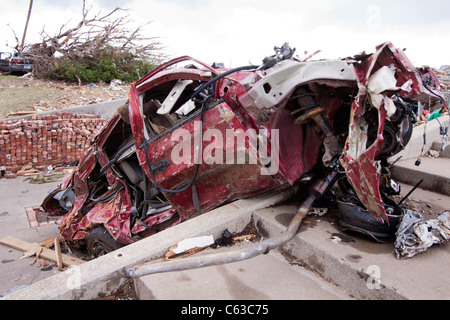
<point>415,235</point>
<point>198,242</point>
<point>189,246</point>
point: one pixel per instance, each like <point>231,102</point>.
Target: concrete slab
<point>435,173</point>
<point>265,277</point>
<point>364,268</point>
<point>102,276</point>
<point>15,196</point>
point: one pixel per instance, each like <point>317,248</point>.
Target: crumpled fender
<point>382,74</point>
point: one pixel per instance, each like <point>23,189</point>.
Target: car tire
<point>99,242</point>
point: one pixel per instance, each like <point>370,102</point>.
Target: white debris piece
<point>186,108</point>
<point>114,85</point>
<point>415,235</point>
<point>379,82</point>
<point>173,96</point>
<point>191,243</point>
<point>318,211</point>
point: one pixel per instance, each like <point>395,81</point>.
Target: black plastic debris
<point>226,239</point>
<point>354,218</point>
<point>342,237</point>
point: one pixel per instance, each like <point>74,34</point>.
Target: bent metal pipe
<point>317,190</point>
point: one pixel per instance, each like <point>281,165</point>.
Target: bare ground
<point>18,94</point>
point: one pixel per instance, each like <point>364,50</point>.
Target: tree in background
<point>101,47</point>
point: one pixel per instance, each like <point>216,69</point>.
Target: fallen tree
<point>101,47</point>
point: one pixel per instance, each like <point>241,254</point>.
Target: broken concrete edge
<point>324,263</point>
<point>100,277</point>
<point>437,147</point>
<point>105,109</point>
<point>431,182</point>
<point>416,149</point>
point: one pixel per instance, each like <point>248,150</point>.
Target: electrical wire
<point>150,169</point>
<point>220,76</point>
<point>204,101</point>
<point>442,99</point>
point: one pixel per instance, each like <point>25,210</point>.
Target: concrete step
<point>364,268</point>
<point>100,277</point>
<point>265,277</point>
<point>435,173</point>
<point>321,262</point>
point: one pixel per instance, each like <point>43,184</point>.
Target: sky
<point>239,32</point>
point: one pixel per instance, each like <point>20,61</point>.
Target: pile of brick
<point>44,140</point>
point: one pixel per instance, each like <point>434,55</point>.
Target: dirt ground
<point>19,94</point>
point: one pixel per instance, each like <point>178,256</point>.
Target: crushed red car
<point>195,137</point>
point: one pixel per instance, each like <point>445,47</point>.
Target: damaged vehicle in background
<point>20,66</point>
<point>4,61</point>
<point>13,64</point>
<point>335,121</point>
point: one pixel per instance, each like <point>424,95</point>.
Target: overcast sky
<point>237,32</point>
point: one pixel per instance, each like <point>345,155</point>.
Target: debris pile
<point>45,140</point>
<point>415,235</point>
<point>443,75</point>
<point>187,247</point>
<point>42,252</point>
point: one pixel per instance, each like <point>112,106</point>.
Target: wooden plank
<point>58,252</point>
<point>46,253</point>
<point>19,113</point>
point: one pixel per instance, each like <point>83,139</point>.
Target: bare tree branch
<point>94,34</point>
<point>15,36</point>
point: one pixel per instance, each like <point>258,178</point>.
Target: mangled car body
<point>193,138</point>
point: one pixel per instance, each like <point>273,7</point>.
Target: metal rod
<point>235,255</point>
<point>409,193</point>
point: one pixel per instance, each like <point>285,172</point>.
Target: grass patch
<point>18,94</point>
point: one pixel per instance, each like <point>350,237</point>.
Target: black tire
<point>99,242</point>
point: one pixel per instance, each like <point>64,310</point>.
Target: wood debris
<point>32,249</point>
<point>48,243</point>
<point>247,237</point>
<point>58,252</point>
<point>38,253</point>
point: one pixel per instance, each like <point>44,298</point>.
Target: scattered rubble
<point>126,291</point>
<point>416,235</point>
<point>42,251</point>
<point>443,74</point>
<point>28,96</point>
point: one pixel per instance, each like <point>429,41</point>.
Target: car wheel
<point>100,242</point>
